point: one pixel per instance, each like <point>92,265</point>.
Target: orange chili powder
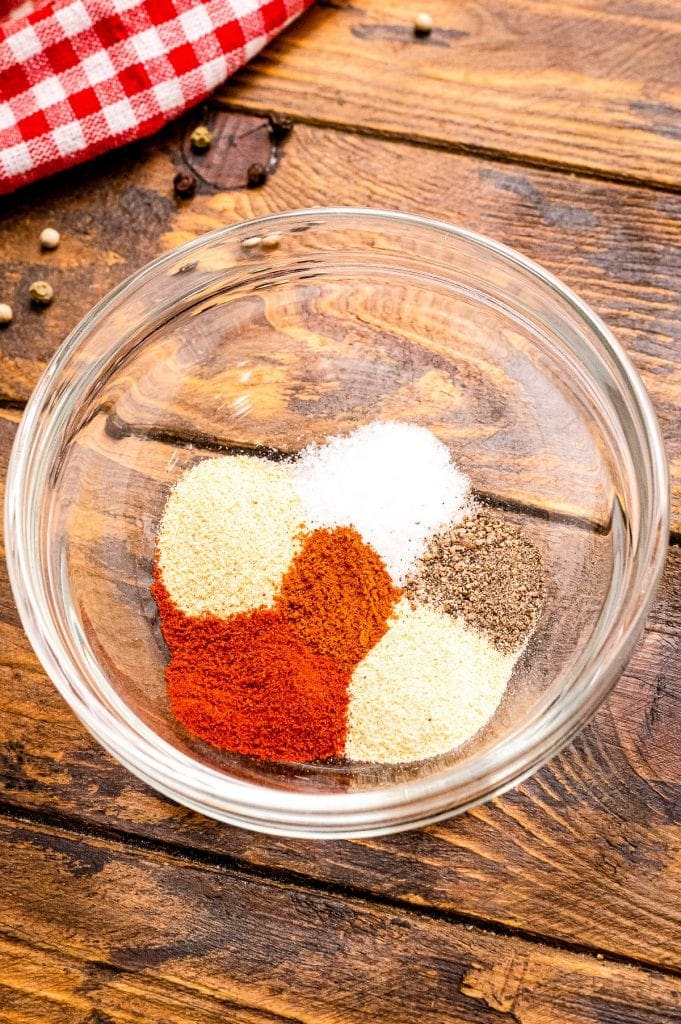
<point>247,684</point>
<point>274,683</point>
<point>337,595</point>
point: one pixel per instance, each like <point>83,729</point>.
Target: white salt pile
<point>395,483</point>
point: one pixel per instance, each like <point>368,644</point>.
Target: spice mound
<point>352,603</point>
<point>229,532</point>
<point>394,482</point>
<point>485,570</point>
<point>337,596</point>
<point>247,684</point>
<point>427,686</point>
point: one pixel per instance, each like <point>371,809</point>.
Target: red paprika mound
<point>248,684</point>
<point>337,595</point>
<point>274,683</point>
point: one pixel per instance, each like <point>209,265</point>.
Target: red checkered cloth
<point>79,77</point>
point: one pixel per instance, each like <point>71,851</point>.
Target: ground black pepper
<point>488,572</point>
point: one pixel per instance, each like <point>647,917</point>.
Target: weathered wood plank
<point>618,246</point>
<point>586,85</point>
<point>586,852</point>
<point>105,933</point>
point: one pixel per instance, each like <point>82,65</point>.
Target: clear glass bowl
<point>338,317</point>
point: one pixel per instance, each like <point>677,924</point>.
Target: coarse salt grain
<point>428,685</point>
<point>229,532</point>
<point>393,482</point>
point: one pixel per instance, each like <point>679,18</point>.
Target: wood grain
<point>119,906</point>
<point>586,852</point>
<point>585,85</point>
<point>108,934</point>
<point>617,246</point>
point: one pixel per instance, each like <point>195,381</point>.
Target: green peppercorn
<point>201,138</point>
<point>41,293</point>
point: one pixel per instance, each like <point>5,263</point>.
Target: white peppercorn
<point>271,241</point>
<point>423,24</point>
<point>6,314</point>
<point>50,238</point>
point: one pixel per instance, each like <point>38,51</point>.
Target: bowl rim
<point>388,808</point>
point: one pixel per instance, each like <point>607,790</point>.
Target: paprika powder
<point>337,595</point>
<point>249,685</point>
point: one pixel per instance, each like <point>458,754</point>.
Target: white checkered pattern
<point>78,77</point>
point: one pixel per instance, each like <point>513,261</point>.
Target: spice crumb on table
<point>353,602</point>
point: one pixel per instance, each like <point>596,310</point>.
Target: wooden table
<point>556,128</point>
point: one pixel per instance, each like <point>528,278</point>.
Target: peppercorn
<point>256,175</point>
<point>184,184</point>
<point>201,138</point>
<point>271,241</point>
<point>50,238</point>
<point>281,125</point>
<point>423,24</point>
<point>41,292</point>
<point>6,314</point>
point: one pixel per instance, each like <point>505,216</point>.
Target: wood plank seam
<point>499,156</point>
<point>131,975</point>
<point>12,404</point>
<point>118,428</point>
<point>191,856</point>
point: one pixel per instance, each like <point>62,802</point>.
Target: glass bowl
<point>271,334</point>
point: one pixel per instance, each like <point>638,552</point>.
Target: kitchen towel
<point>79,77</point>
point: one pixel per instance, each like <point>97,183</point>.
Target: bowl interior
<point>231,344</point>
<point>235,348</point>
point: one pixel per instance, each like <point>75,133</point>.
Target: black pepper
<point>184,184</point>
<point>256,175</point>
<point>281,125</point>
<point>487,571</point>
